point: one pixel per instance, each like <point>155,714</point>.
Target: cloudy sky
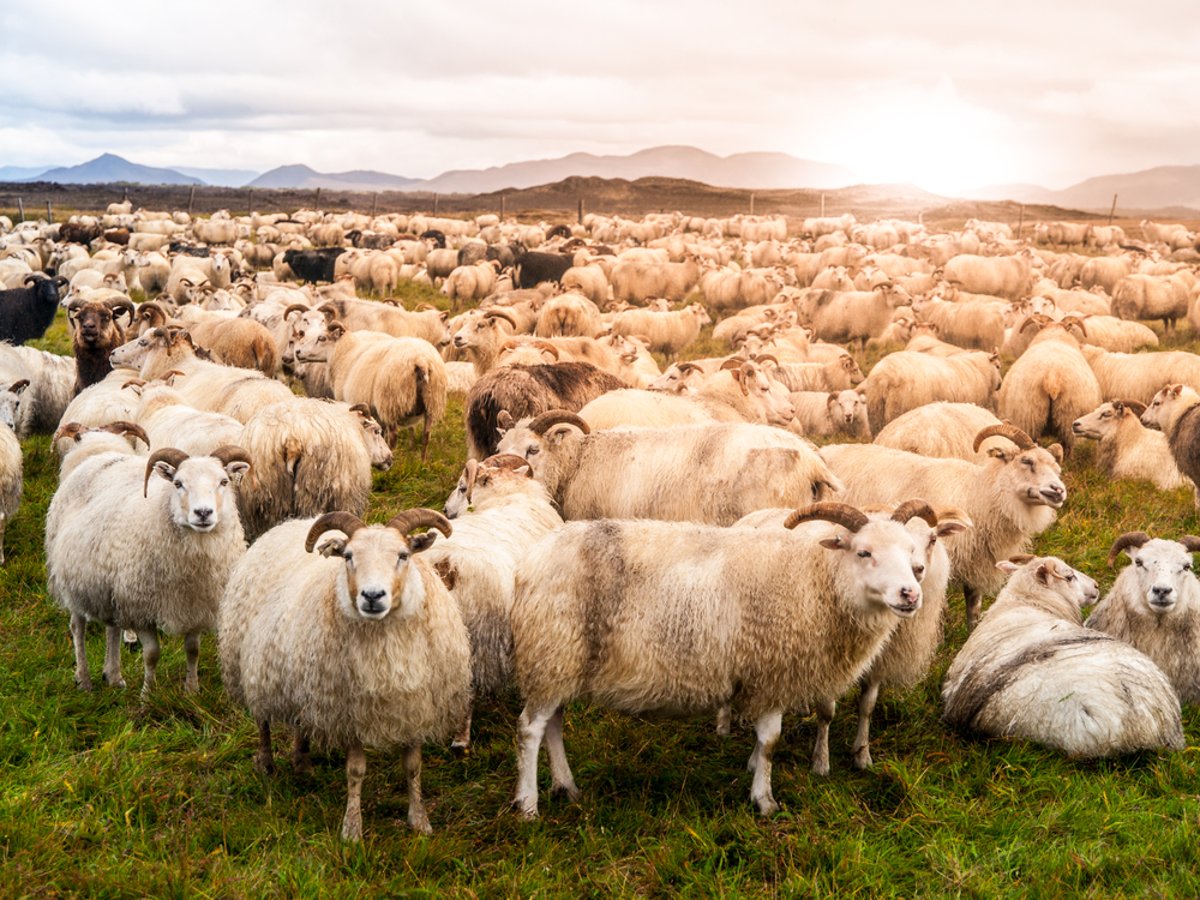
<point>946,95</point>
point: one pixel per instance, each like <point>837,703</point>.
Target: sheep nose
<point>372,599</point>
<point>909,595</point>
<point>203,513</point>
<point>1161,593</point>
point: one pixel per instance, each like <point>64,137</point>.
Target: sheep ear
<point>1007,566</point>
<point>1000,453</point>
<point>236,468</point>
<point>332,547</point>
<point>1044,573</point>
<point>419,542</point>
<point>835,543</point>
<point>165,469</point>
<point>555,436</point>
<point>946,529</point>
<point>1056,451</point>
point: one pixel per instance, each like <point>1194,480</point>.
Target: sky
<point>944,95</point>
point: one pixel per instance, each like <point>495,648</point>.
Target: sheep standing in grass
<point>11,461</point>
<point>116,557</point>
<point>679,618</point>
<point>1154,605</point>
<point>359,645</point>
<point>1032,670</point>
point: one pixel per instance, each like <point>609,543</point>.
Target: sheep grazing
<point>906,657</point>
<point>714,473</point>
<point>498,511</point>
<point>767,621</point>
<point>568,315</point>
<point>1012,497</point>
<point>1128,449</point>
<point>1010,277</point>
<point>185,542</point>
<point>97,334</point>
<point>526,391</point>
<point>943,430</point>
<point>26,312</point>
<point>1049,387</point>
<point>11,461</point>
<point>904,381</point>
<point>1154,605</point>
<point>1032,670</point>
<point>1175,411</point>
<point>357,646</point>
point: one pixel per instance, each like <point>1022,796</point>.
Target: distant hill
<point>300,176</point>
<point>1175,188</point>
<point>219,177</point>
<point>742,170</point>
<point>21,173</point>
<point>108,168</point>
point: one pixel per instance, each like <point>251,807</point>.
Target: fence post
<point>435,204</point>
<point>21,207</point>
<point>374,203</point>
<point>49,213</point>
<point>751,203</point>
<point>1021,221</point>
<point>822,206</point>
<point>1113,210</point>
<point>580,210</point>
<point>191,199</point>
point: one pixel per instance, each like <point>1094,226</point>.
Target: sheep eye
<point>1028,462</point>
<point>1071,577</point>
<point>224,482</point>
<point>1138,563</point>
<point>177,483</point>
<point>1187,567</point>
<point>864,554</point>
<point>532,451</point>
<point>401,558</point>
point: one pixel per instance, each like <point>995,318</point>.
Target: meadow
<point>103,794</point>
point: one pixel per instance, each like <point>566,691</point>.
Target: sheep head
<point>203,494</point>
<point>1050,574</point>
<point>377,575</point>
<point>1031,473</point>
<point>1162,569</point>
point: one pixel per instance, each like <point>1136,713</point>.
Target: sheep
<point>941,429</point>
<point>826,413</point>
<point>699,473</point>
<point>1032,670</point>
<point>184,543</point>
<point>534,267</point>
<point>204,384</point>
<point>358,646</point>
<point>767,621</point>
<point>11,461</point>
<point>1011,498</point>
<point>75,443</point>
<point>26,312</point>
<point>236,341</point>
<point>1154,605</point>
<point>498,511</point>
<point>568,315</point>
<point>525,391</point>
<point>906,657</point>
<point>367,315</point>
<point>400,380</point>
<point>470,283</point>
<point>589,280</point>
<point>855,315</point>
<point>903,381</point>
<point>51,380</point>
<point>98,332</point>
<point>1151,297</point>
<point>975,325</point>
<point>1009,277</point>
<point>1117,335</point>
<point>667,332</point>
<point>1138,376</point>
<point>1049,387</point>
<point>1128,449</point>
<point>308,457</point>
<point>114,398</point>
<point>839,374</point>
<point>169,422</point>
<point>1175,411</point>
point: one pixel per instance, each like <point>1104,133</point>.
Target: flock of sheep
<point>657,540</point>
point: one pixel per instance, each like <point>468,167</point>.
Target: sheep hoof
<point>862,758</point>
<point>525,809</point>
<point>117,682</point>
<point>420,823</point>
<point>460,749</point>
<point>820,767</point>
<point>766,805</point>
<point>570,791</point>
<point>352,831</point>
<point>265,763</point>
<point>191,685</point>
<point>84,684</point>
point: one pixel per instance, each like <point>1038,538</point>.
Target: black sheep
<point>26,312</point>
<point>534,267</point>
<point>313,265</point>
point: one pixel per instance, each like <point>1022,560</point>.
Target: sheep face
<point>1163,570</point>
<point>847,409</point>
<point>10,402</point>
<point>202,490</point>
<point>1100,423</point>
<point>133,354</point>
<point>1051,573</point>
<point>481,483</point>
<point>378,575</point>
<point>317,348</point>
<point>1168,404</point>
<point>885,562</point>
<point>1033,476</point>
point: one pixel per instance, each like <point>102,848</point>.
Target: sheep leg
<point>78,635</point>
<point>561,778</point>
<point>150,651</point>
<point>724,717</point>
<point>264,759</point>
<point>462,740</point>
<point>301,762</point>
<point>191,648</point>
<point>356,770</point>
<point>3,523</point>
<point>425,440</point>
<point>418,819</point>
<point>974,600</point>
<point>112,657</point>
<point>766,731</point>
<point>531,727</point>
<point>862,739</point>
<point>826,708</point>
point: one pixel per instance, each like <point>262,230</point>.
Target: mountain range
<point>1175,188</point>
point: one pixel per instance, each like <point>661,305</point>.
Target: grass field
<point>101,794</point>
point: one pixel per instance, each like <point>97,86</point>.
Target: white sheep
<point>667,617</point>
<point>666,332</point>
<point>11,461</point>
<point>116,557</point>
<point>359,645</point>
<point>1128,449</point>
<point>941,429</point>
<point>1138,376</point>
<point>1154,605</point>
<point>51,385</point>
<point>904,381</point>
<point>171,422</point>
<point>1032,670</point>
<point>826,413</point>
<point>699,473</point>
<point>1011,498</point>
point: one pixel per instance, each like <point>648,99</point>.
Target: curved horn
<point>153,313</point>
<point>1012,432</point>
<point>1032,320</point>
<point>406,521</point>
<point>1191,542</point>
<point>300,306</point>
<point>733,362</point>
<point>685,367</point>
<point>166,454</point>
<point>1128,539</point>
<point>1136,407</point>
<point>119,304</point>
<point>503,314</point>
<point>472,471</point>
<point>329,311</point>
<point>125,428</point>
<point>915,508</point>
<point>764,357</point>
<point>342,521</point>
<point>72,430</point>
<point>228,453</point>
<point>505,461</point>
<point>547,347</point>
<point>547,420</point>
<point>843,514</point>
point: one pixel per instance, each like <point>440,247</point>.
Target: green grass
<point>103,795</point>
